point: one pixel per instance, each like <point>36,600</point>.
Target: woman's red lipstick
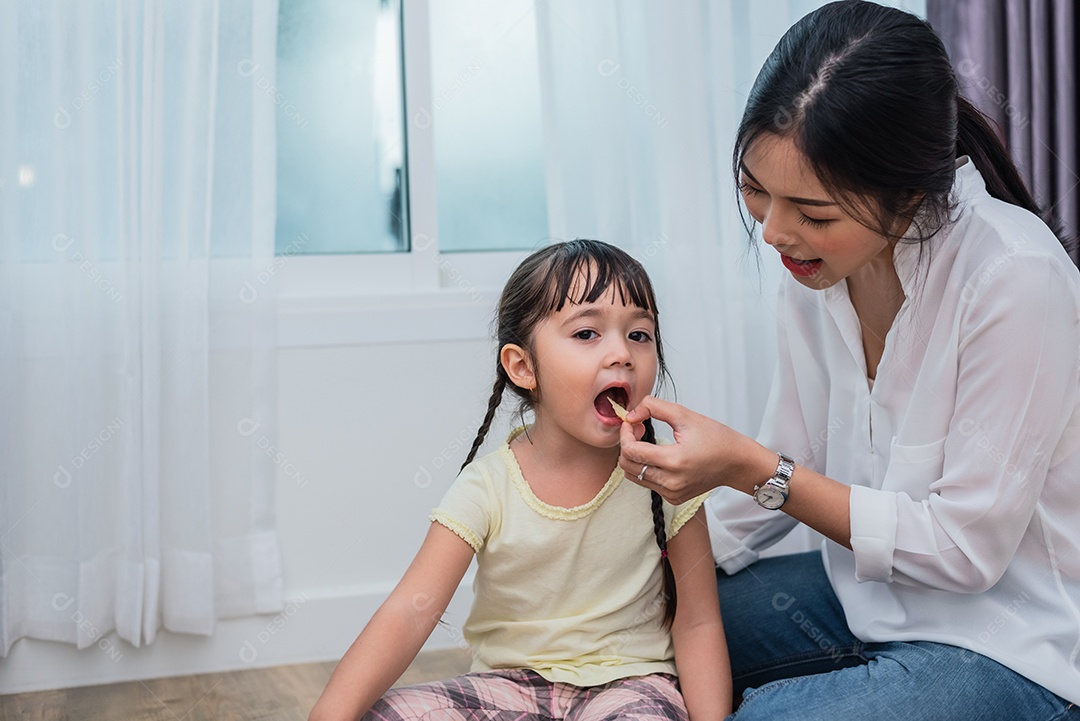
<point>804,268</point>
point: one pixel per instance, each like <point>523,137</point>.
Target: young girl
<point>591,592</point>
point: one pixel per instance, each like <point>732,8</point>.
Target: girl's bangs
<point>585,277</point>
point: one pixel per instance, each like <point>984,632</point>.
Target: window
<point>489,155</point>
<point>340,146</point>
<point>345,121</point>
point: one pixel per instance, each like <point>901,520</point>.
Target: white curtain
<point>641,104</point>
<point>137,317</point>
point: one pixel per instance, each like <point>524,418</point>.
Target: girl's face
<point>584,354</point>
<point>818,242</point>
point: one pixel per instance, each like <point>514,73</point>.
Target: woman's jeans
<point>793,657</point>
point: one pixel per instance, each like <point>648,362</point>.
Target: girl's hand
<point>706,454</point>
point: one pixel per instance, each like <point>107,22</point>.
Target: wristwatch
<point>773,493</point>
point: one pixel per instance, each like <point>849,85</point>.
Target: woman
<point>923,416</point>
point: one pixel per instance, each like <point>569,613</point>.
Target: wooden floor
<point>285,693</point>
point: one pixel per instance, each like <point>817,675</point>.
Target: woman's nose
<point>771,232</point>
<point>775,230</point>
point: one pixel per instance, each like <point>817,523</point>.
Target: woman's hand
<point>706,454</point>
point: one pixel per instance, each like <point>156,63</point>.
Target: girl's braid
<point>670,595</point>
<point>493,405</point>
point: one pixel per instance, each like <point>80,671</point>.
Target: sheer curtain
<point>641,104</point>
<point>137,334</point>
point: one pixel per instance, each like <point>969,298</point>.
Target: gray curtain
<point>1017,62</point>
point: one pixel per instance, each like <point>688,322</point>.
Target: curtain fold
<point>1017,62</point>
<point>137,341</point>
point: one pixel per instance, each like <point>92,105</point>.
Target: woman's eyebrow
<point>799,201</point>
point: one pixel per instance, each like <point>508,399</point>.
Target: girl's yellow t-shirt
<point>573,593</point>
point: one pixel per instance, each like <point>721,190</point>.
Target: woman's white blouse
<point>964,457</point>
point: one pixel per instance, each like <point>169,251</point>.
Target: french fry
<point>619,410</point>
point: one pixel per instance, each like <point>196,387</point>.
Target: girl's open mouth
<point>603,405</point>
<point>804,268</point>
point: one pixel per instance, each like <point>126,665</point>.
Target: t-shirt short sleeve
<point>467,506</point>
<point>684,512</point>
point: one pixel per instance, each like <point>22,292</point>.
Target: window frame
<point>415,295</point>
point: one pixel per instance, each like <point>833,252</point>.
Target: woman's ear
<point>515,361</point>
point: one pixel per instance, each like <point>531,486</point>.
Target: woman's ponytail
<point>975,137</point>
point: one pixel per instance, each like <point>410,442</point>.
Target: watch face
<point>770,497</point>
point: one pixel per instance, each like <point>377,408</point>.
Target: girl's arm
<point>698,633</point>
<point>393,637</point>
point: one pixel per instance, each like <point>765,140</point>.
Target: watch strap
<point>785,467</point>
<point>780,480</point>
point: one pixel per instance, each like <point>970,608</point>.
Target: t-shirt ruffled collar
<point>556,513</point>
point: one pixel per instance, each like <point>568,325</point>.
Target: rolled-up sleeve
<point>873,532</point>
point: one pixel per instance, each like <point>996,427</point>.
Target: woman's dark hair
<point>868,95</point>
<point>576,271</point>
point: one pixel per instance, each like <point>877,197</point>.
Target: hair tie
<point>663,553</point>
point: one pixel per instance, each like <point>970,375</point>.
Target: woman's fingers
<point>643,473</point>
<point>651,407</point>
<point>646,464</point>
<point>705,454</point>
<point>635,450</point>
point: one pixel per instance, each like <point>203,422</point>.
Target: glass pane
<point>340,151</point>
<point>489,153</point>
